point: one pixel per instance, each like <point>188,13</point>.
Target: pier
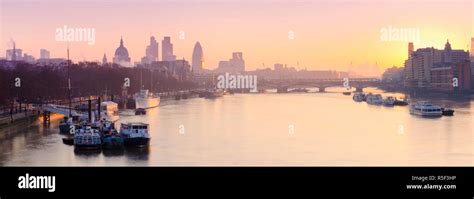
<point>13,114</point>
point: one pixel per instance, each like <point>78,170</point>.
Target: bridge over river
<point>285,84</point>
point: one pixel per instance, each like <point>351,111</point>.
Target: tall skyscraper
<point>167,50</point>
<point>44,54</point>
<point>237,61</point>
<point>152,49</point>
<point>151,53</point>
<point>197,62</point>
<point>410,49</point>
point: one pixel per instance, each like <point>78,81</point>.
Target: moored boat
<point>374,99</point>
<point>426,109</point>
<point>398,102</point>
<point>358,97</point>
<point>389,101</point>
<point>112,140</point>
<point>87,138</point>
<point>135,134</point>
<point>447,112</point>
<point>145,99</point>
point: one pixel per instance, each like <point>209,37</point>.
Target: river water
<point>318,129</point>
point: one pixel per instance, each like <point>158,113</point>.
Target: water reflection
<point>87,153</point>
<point>139,153</point>
<point>113,152</point>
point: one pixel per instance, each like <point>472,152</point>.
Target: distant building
<point>29,59</point>
<point>44,54</point>
<point>151,52</point>
<point>278,67</point>
<point>418,67</point>
<point>442,75</point>
<point>235,65</point>
<point>197,59</point>
<point>472,72</point>
<point>152,49</point>
<point>14,54</point>
<point>121,56</point>
<point>237,61</point>
<point>179,69</point>
<point>281,71</point>
<point>223,66</point>
<point>167,50</point>
<point>393,74</point>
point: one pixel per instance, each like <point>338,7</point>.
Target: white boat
<point>109,111</point>
<point>389,101</point>
<point>426,109</point>
<point>374,99</point>
<point>144,99</point>
<point>135,134</point>
<point>359,97</point>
